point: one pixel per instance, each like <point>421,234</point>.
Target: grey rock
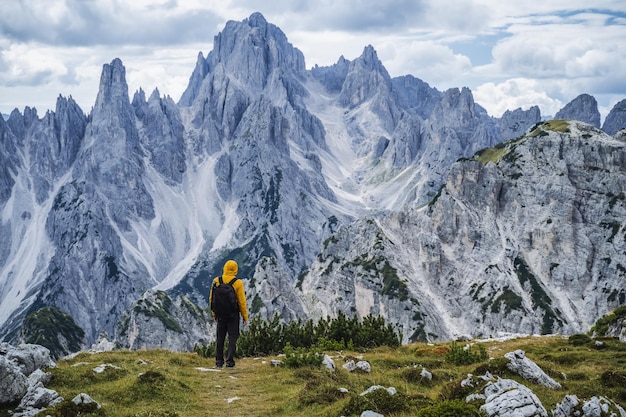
<point>38,398</point>
<point>616,119</point>
<point>508,398</point>
<point>162,136</point>
<point>370,413</point>
<point>273,291</point>
<point>13,383</point>
<point>83,398</point>
<point>391,390</point>
<point>195,81</point>
<point>349,366</point>
<point>529,370</point>
<point>363,366</point>
<point>515,123</point>
<point>583,108</point>
<point>572,406</point>
<point>28,357</point>
<point>39,376</point>
<point>333,77</point>
<point>156,321</point>
<point>328,363</point>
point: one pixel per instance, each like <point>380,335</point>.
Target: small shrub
<point>454,391</point>
<point>320,391</point>
<point>324,344</point>
<point>205,351</point>
<point>496,367</point>
<point>579,339</point>
<point>613,379</point>
<point>578,376</point>
<point>298,357</point>
<point>380,401</point>
<point>460,355</point>
<point>450,408</point>
<point>414,376</point>
<point>151,378</point>
<point>68,408</point>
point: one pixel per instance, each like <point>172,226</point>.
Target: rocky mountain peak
<point>252,49</point>
<point>515,123</point>
<point>113,90</point>
<point>583,108</point>
<point>616,119</point>
<point>366,78</point>
<point>256,19</point>
<point>195,81</point>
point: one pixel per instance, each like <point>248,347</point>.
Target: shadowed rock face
<point>583,108</point>
<point>616,119</point>
<point>341,187</point>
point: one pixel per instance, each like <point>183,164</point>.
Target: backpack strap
<point>232,281</point>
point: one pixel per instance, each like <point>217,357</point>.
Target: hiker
<point>227,303</point>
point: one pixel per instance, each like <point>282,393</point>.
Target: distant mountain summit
<point>337,188</point>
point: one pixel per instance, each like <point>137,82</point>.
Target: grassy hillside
<point>160,383</point>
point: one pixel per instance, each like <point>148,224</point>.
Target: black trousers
<point>226,326</point>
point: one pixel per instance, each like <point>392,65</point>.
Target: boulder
<point>39,376</point>
<point>84,399</point>
<point>13,383</point>
<point>38,398</point>
<point>571,406</point>
<point>508,398</point>
<point>364,366</point>
<point>28,357</point>
<point>329,363</point>
<point>529,370</point>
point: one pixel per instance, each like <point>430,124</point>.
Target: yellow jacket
<point>230,272</point>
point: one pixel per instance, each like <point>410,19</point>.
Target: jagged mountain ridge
<point>525,238</point>
<point>260,159</point>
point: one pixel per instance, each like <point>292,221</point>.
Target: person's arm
<point>241,300</point>
<point>211,299</point>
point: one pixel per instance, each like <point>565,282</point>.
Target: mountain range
<point>335,188</point>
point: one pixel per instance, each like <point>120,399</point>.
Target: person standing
<point>227,305</point>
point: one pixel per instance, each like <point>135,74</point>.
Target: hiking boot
<point>230,364</point>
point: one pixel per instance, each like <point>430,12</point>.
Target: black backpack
<point>224,300</point>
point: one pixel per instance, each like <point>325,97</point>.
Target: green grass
<point>160,383</point>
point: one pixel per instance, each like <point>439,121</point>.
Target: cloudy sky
<point>510,54</point>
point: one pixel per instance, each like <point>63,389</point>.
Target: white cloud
<point>546,54</point>
<point>436,64</point>
<point>515,93</point>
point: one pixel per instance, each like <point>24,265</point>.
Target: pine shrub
<point>299,357</point>
<point>263,337</point>
<point>466,355</point>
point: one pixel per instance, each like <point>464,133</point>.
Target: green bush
<point>603,323</point>
<point>579,339</point>
<point>263,337</point>
<point>466,355</point>
<point>68,408</point>
<point>380,401</point>
<point>613,379</point>
<point>450,408</point>
<point>299,357</point>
